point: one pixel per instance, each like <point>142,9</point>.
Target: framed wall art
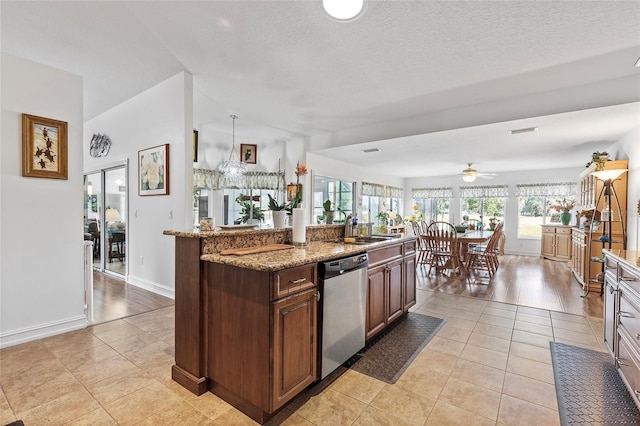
<point>44,147</point>
<point>153,170</point>
<point>248,153</point>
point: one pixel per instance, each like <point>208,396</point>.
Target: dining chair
<point>423,257</point>
<point>444,249</point>
<point>485,257</point>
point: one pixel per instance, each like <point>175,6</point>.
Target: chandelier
<point>233,168</point>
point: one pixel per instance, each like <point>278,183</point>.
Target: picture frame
<point>153,170</point>
<point>44,147</point>
<point>248,153</point>
<point>194,146</point>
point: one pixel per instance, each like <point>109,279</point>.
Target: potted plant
<point>278,211</point>
<point>493,221</point>
<point>564,206</point>
<point>249,213</point>
<point>328,213</point>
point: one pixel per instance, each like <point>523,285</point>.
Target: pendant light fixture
<point>233,168</point>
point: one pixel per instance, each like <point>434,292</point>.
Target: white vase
<point>279,218</point>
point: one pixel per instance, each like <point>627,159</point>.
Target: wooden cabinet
<point>294,348</point>
<point>590,187</point>
<point>391,284</point>
<point>556,242</point>
<point>262,335</point>
<point>622,318</point>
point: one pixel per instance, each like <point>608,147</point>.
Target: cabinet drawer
<point>565,231</point>
<point>385,254</point>
<point>293,280</point>
<point>628,315</point>
<point>409,248</point>
<point>629,276</point>
<point>629,368</point>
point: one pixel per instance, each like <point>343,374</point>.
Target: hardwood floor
<point>113,298</point>
<point>520,280</point>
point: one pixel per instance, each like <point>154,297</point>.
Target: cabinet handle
<point>298,281</point>
<point>638,336</point>
<point>619,361</point>
<point>611,290</point>
<point>625,314</point>
<point>318,297</point>
<point>637,392</point>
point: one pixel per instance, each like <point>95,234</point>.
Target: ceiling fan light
<point>343,10</point>
<point>469,177</point>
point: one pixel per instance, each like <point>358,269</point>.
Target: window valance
<point>555,189</point>
<point>212,179</point>
<point>495,191</point>
<point>372,189</point>
<point>432,192</point>
<point>393,192</point>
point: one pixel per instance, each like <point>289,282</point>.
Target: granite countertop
<point>316,251</point>
<point>629,257</point>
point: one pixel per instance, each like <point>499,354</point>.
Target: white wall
<point>41,230</point>
<point>628,148</point>
<point>155,117</point>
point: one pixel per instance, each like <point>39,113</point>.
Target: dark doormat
<point>589,389</point>
<point>387,356</point>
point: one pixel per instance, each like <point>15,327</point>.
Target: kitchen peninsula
<point>247,327</point>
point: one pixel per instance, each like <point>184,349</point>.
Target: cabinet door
<point>294,346</point>
<point>409,282</point>
<point>610,305</point>
<point>548,242</point>
<point>395,284</point>
<point>563,246</point>
<point>376,312</point>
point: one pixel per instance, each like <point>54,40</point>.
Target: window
<point>379,198</point>
<point>261,202</point>
<point>480,203</point>
<point>433,203</point>
<point>339,192</point>
<point>533,205</point>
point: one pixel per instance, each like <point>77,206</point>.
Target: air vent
<point>525,130</point>
<point>369,150</point>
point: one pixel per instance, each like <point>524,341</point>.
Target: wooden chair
<point>423,257</point>
<point>485,257</point>
<point>444,249</point>
<point>117,246</point>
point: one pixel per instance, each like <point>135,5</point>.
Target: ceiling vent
<point>525,130</point>
<point>369,150</point>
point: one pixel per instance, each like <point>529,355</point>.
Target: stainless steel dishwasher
<point>343,306</point>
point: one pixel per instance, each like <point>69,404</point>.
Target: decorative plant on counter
<point>328,213</point>
<point>301,170</point>
<point>383,221</point>
<point>249,210</point>
<point>274,206</point>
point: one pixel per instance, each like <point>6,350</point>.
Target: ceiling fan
<point>470,174</point>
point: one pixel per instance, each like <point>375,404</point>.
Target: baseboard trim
<point>40,331</point>
<point>152,287</point>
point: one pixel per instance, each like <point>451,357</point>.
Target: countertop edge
<point>631,258</point>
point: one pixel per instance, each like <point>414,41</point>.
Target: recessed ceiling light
<point>344,10</point>
<point>368,150</point>
<point>525,130</point>
<point>638,63</point>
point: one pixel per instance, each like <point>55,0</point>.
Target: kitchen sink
<point>369,240</point>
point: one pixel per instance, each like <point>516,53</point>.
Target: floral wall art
<point>153,170</point>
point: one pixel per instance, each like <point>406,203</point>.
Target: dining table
<point>464,241</point>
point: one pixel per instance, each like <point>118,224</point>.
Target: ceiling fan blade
<point>486,175</point>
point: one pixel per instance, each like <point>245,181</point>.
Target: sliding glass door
<point>106,218</point>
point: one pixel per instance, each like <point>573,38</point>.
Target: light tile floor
<point>490,364</point>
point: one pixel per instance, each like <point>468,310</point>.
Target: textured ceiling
<point>289,71</point>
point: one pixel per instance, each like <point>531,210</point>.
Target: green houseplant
<point>328,213</point>
<point>249,211</point>
<point>278,211</point>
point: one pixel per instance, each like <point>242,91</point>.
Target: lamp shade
<point>608,175</point>
<point>343,10</point>
<point>112,215</point>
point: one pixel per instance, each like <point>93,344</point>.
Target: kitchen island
<point>247,326</point>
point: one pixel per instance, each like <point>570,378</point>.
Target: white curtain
<point>212,179</point>
<point>557,189</point>
<point>495,191</point>
<point>431,193</point>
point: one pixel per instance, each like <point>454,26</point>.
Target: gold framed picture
<point>44,147</point>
